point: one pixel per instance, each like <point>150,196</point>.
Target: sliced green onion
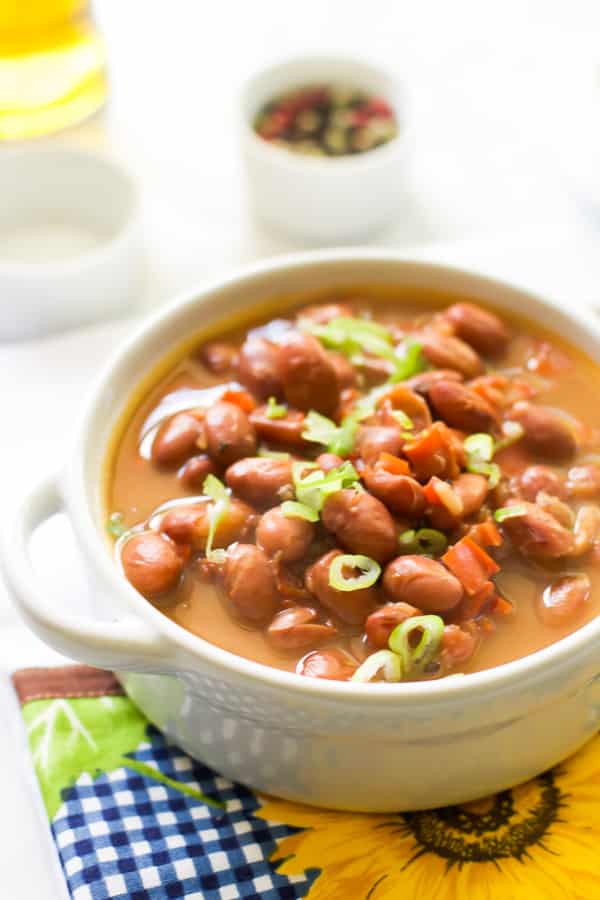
<point>302,466</point>
<point>338,439</point>
<point>408,362</point>
<point>382,659</point>
<point>294,510</point>
<point>273,454</point>
<point>491,471</point>
<point>313,488</point>
<point>275,410</point>
<point>115,525</point>
<point>427,541</point>
<point>480,445</point>
<point>509,512</point>
<point>408,541</point>
<point>369,572</point>
<point>218,509</point>
<point>416,657</point>
<point>480,449</point>
<point>431,541</point>
<point>350,336</point>
<point>403,420</point>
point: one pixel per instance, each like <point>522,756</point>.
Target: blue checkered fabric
<point>126,835</point>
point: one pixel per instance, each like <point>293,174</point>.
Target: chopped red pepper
<point>472,606</point>
<point>440,493</point>
<point>470,564</point>
<point>243,399</point>
<point>393,464</point>
<point>433,452</point>
<point>485,534</point>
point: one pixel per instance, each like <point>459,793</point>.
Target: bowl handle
<point>127,644</point>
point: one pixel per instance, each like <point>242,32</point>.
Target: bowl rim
<point>334,166</point>
<point>104,253</point>
<point>565,652</point>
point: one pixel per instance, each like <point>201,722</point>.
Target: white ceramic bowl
<point>70,240</point>
<point>323,199</point>
<point>365,747</point>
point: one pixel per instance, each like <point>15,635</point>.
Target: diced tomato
<point>243,399</point>
<point>485,534</point>
<point>470,564</point>
<point>393,464</point>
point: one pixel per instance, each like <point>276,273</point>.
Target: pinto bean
<point>176,439</point>
<point>344,370</point>
<point>250,583</point>
<point>380,624</point>
<point>309,378</point>
<point>424,381</point>
<point>460,407</point>
<point>297,628</point>
<point>323,313</point>
<point>457,645</point>
<point>409,402</point>
<point>400,493</point>
<point>585,530</point>
<point>481,329</point>
<point>563,600</point>
<point>351,606</point>
<point>536,533</point>
<point>286,430</point>
<point>261,481</point>
<point>561,511</point>
<point>546,432</point>
<point>151,563</point>
<point>190,524</point>
<point>288,536</point>
<point>539,478</point>
<point>258,368</point>
<point>471,490</point>
<point>217,356</point>
<point>333,664</point>
<point>422,582</point>
<point>195,470</point>
<point>229,434</point>
<point>371,440</point>
<point>328,461</point>
<point>361,523</point>
<point>584,481</point>
<point>446,352</point>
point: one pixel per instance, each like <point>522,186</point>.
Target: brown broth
<point>135,488</point>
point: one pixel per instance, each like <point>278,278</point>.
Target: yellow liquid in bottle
<point>52,66</point>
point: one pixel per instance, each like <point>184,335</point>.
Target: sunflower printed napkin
<point>134,817</point>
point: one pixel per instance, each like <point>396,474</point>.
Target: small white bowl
<point>70,240</point>
<point>369,747</point>
<point>325,199</point>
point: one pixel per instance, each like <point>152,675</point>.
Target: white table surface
<point>503,103</point>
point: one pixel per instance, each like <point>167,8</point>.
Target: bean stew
<point>367,489</point>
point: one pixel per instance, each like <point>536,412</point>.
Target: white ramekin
<point>364,747</point>
<point>55,192</point>
<point>323,199</point>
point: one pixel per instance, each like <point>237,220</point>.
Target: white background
<point>503,174</point>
